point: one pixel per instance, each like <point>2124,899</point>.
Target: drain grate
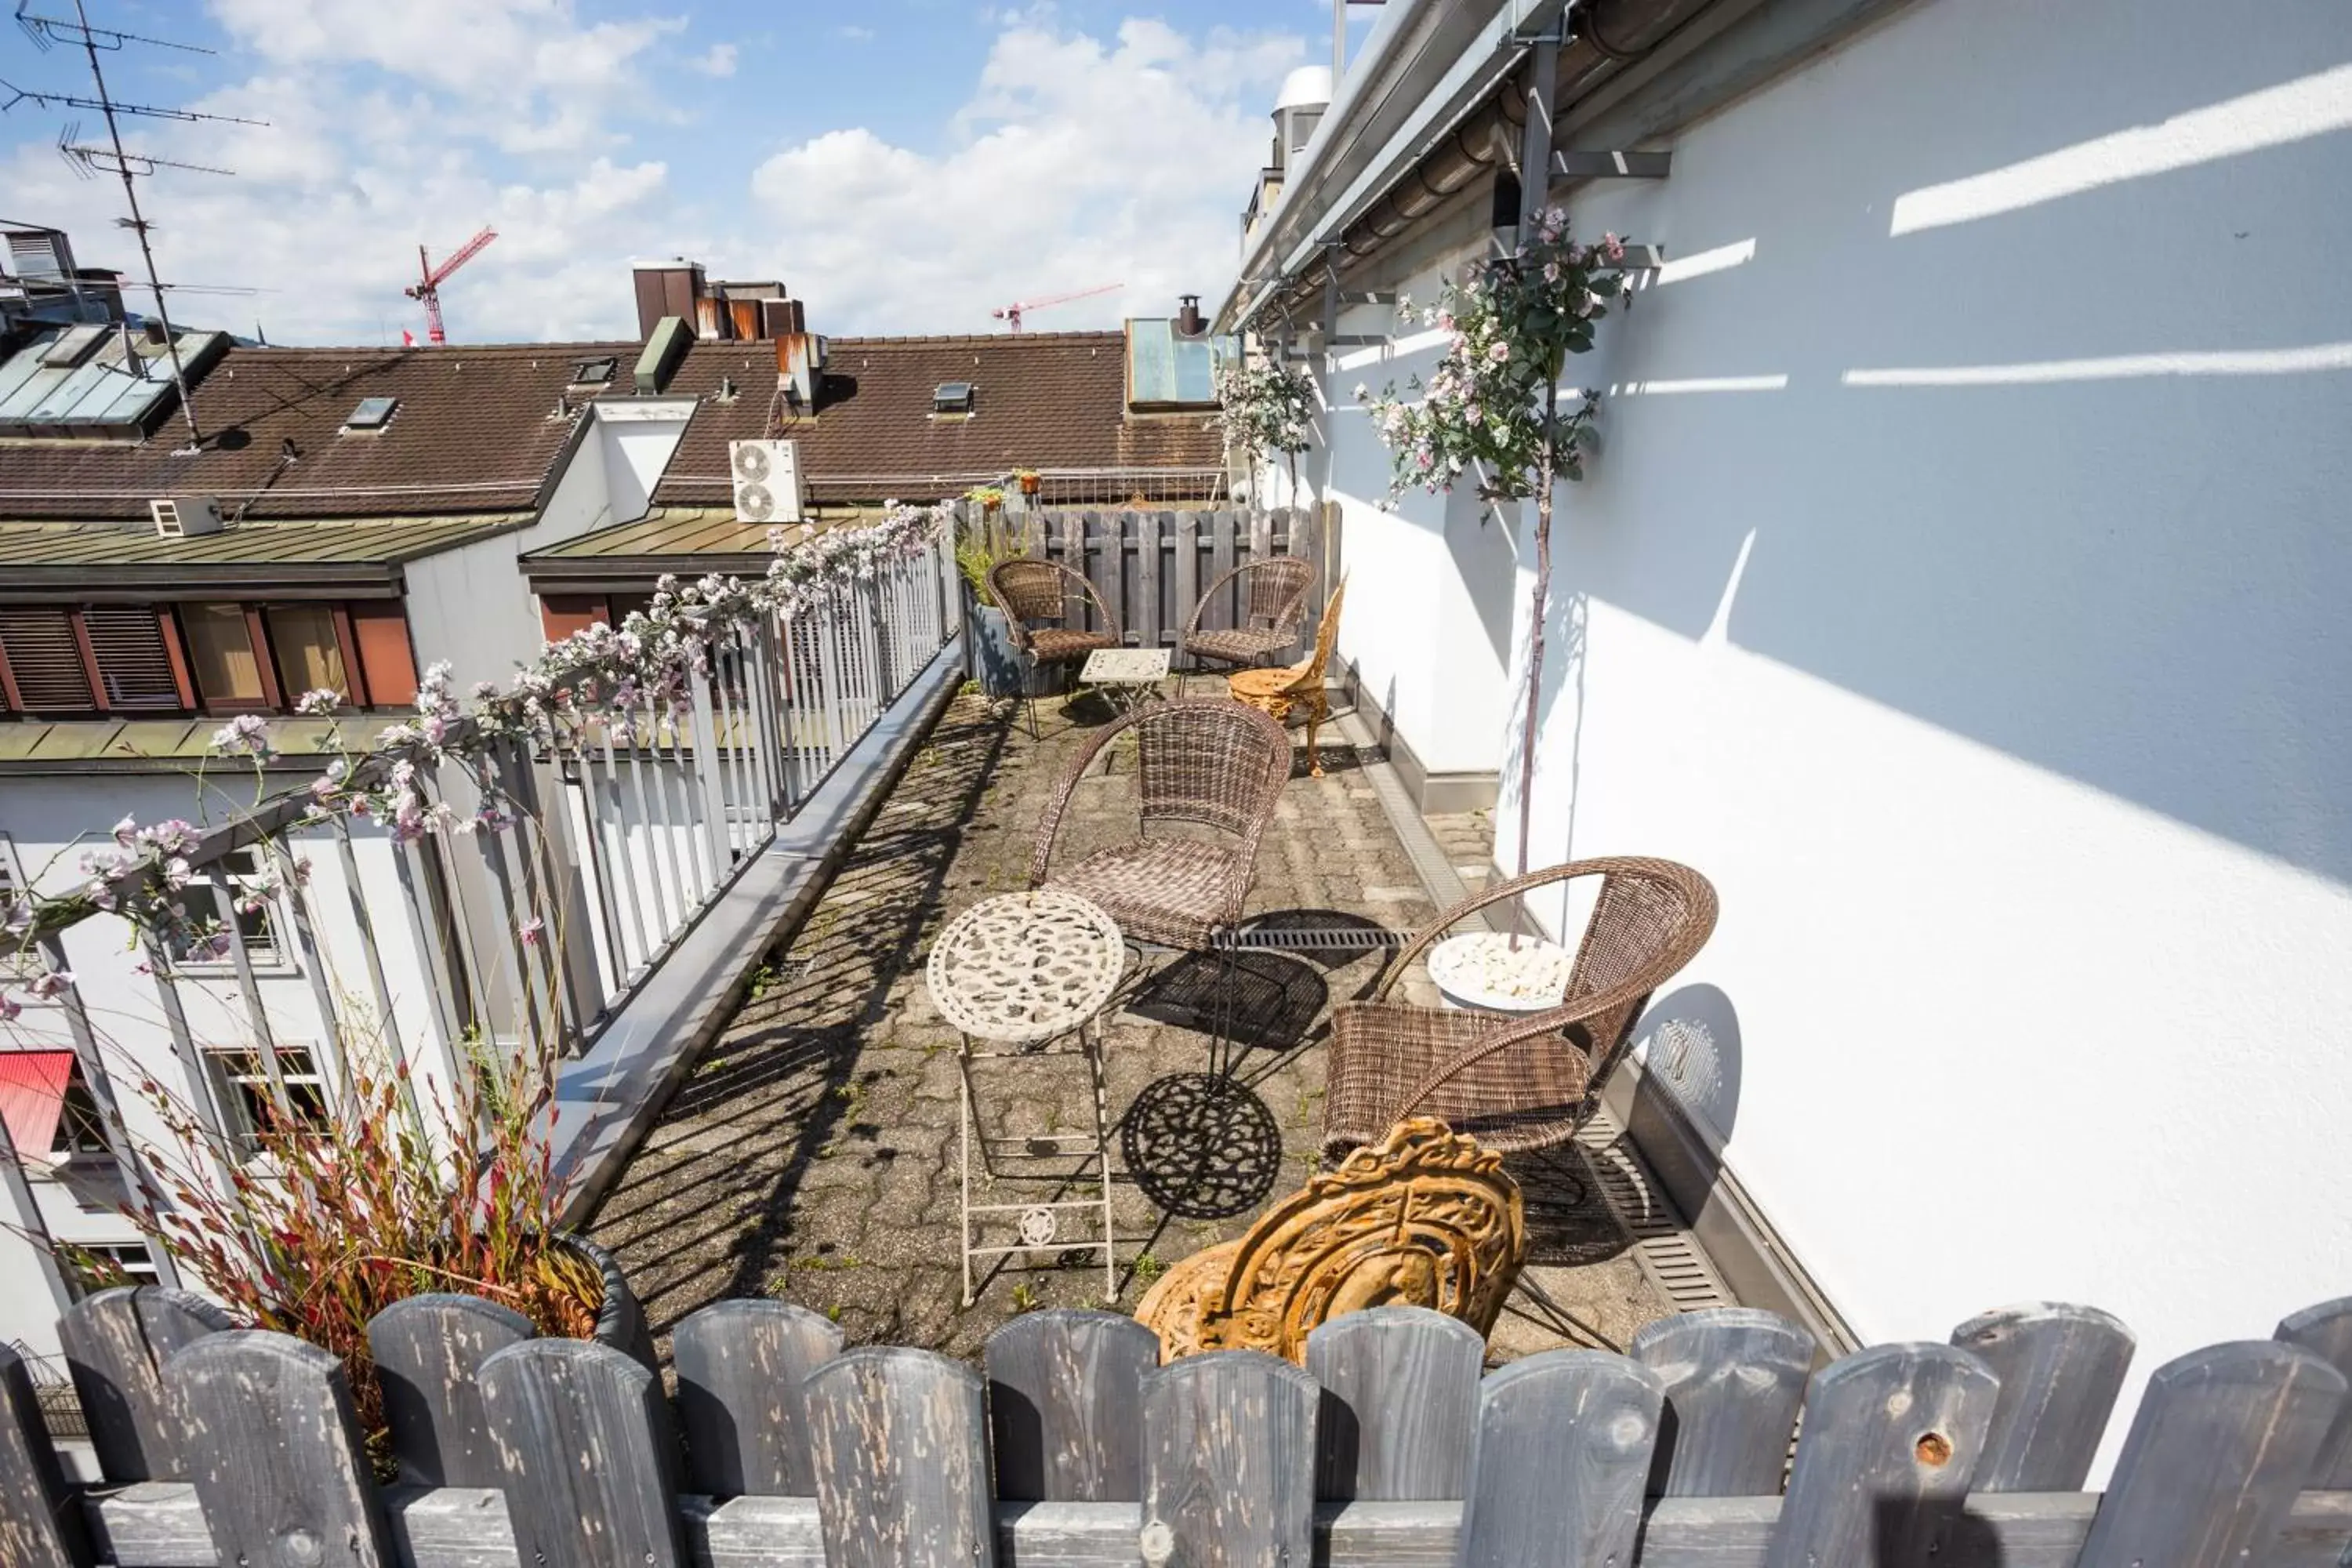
<point>1662,1246</point>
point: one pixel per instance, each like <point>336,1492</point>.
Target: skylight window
<point>951,397</point>
<point>593,372</point>
<point>372,414</point>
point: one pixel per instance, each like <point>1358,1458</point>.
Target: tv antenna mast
<point>112,157</point>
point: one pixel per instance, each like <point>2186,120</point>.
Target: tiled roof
<point>474,430</point>
<point>1041,400</point>
<point>37,556</point>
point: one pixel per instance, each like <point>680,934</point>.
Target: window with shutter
<point>45,660</point>
<point>128,641</point>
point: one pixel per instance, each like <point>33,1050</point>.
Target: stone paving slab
<point>811,1156</point>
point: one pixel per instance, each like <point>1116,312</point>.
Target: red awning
<point>32,1094</point>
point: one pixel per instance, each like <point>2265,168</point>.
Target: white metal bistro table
<point>1029,973</point>
<point>1127,677</point>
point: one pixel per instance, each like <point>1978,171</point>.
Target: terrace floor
<point>811,1156</point>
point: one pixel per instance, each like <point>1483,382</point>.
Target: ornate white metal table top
<point>1023,968</point>
<point>1125,666</point>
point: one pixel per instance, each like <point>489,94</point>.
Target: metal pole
<point>139,226</point>
<point>1535,139</point>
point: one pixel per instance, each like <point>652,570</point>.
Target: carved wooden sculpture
<point>1423,1218</point>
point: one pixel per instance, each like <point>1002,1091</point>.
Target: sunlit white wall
<point>1963,588</point>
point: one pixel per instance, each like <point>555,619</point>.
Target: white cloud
<point>717,60</point>
<point>1076,160</point>
<point>853,32</point>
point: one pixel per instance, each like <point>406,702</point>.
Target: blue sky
<point>900,164</point>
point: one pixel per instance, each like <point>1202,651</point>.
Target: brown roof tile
<point>473,432</point>
<point>1043,400</point>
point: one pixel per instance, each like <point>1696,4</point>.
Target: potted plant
<point>1264,407</point>
<point>985,540</point>
<point>1492,406</point>
<point>1029,479</point>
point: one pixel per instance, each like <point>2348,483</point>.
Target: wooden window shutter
<point>128,643</point>
<point>45,660</point>
<point>560,614</point>
<point>387,667</point>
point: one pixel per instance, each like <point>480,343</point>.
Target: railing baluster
<point>26,1218</point>
<point>425,902</point>
<point>669,912</point>
<point>314,970</point>
<point>256,1017</point>
<point>347,858</point>
<point>625,857</point>
<point>710,780</point>
<point>211,1116</point>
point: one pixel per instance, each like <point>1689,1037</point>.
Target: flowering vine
<point>1491,408</point>
<point>627,678</point>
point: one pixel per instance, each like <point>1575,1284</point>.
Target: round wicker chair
<point>1198,760</point>
<point>1028,591</point>
<point>1274,599</point>
<point>1524,1081</point>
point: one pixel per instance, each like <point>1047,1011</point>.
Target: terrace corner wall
<point>1962,587</point>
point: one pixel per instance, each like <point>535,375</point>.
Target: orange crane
<point>428,288</point>
<point>1011,314</point>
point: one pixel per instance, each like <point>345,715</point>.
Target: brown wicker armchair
<point>1198,760</point>
<point>1030,590</point>
<point>1518,1081</point>
<point>1273,604</point>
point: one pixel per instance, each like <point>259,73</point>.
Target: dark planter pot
<point>621,1319</point>
<point>999,667</point>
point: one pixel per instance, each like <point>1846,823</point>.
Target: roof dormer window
<point>372,414</point>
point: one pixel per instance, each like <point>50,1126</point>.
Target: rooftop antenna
<point>113,158</point>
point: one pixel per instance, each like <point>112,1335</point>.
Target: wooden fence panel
<point>584,1442</point>
<point>1185,558</point>
<point>1564,1444</point>
<point>116,1342</point>
<point>429,1352</point>
<point>899,1440</point>
<point>1892,1439</point>
<point>2060,1368</point>
<point>1065,1405</point>
<point>739,1369</point>
<point>1733,1378</point>
<point>1399,1403</point>
<point>1220,616</point>
<point>1106,565</point>
<point>275,1453</point>
<point>40,1521</point>
<point>2222,1444</point>
<point>2325,1331</point>
<point>1229,1462</point>
<point>1151,615</point>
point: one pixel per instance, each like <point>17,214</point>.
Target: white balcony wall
<point>1962,587</point>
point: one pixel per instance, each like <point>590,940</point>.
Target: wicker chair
<point>1518,1081</point>
<point>1198,760</point>
<point>1274,692</point>
<point>1029,590</point>
<point>1274,597</point>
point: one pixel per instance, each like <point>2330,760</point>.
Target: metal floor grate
<point>1662,1245</point>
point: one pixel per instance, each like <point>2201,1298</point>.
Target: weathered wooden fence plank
<point>1184,557</point>
<point>1106,563</point>
<point>586,1454</point>
<point>1065,1405</point>
<point>899,1442</point>
<point>1223,527</point>
<point>1733,1378</point>
<point>739,1368</point>
<point>2325,1331</point>
<point>1399,1403</point>
<point>2060,1368</point>
<point>274,1452</point>
<point>1564,1443</point>
<point>116,1342</point>
<point>428,1352</point>
<point>40,1522</point>
<point>1303,542</point>
<point>2222,1442</point>
<point>1074,556</point>
<point>1149,615</point>
<point>1892,1436</point>
<point>1228,1462</point>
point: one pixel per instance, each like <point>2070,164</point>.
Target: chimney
<point>1189,323</point>
<point>800,360</point>
<point>672,287</point>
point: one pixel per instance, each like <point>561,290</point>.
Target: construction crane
<point>428,288</point>
<point>1011,314</point>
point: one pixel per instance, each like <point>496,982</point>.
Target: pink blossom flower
<point>532,931</point>
<point>247,733</point>
<point>126,832</point>
<point>319,702</point>
<point>50,984</point>
<point>10,1008</point>
<point>1499,351</point>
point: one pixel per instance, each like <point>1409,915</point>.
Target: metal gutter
<point>1427,63</point>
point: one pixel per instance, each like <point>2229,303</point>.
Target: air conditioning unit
<point>185,516</point>
<point>766,476</point>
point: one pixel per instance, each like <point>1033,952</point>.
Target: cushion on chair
<point>1171,891</point>
<point>1246,646</point>
<point>1381,1051</point>
<point>1051,645</point>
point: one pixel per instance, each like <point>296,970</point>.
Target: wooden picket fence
<point>1151,567</point>
<point>1076,1448</point>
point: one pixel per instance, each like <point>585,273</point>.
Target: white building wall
<point>1963,579</point>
